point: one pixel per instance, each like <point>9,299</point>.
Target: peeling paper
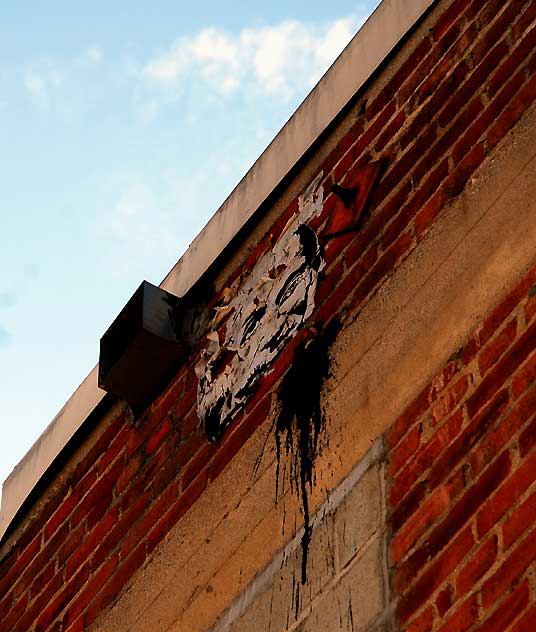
<point>267,309</point>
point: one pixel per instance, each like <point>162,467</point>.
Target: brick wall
<point>455,92</point>
<point>462,489</point>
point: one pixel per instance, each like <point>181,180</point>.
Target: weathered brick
<point>426,516</point>
<point>78,605</point>
<point>444,600</point>
<point>423,623</point>
<point>520,521</point>
<point>509,609</point>
<point>405,450</point>
<point>510,571</point>
<point>468,438</point>
<point>436,574</point>
<point>510,361</point>
<point>464,617</point>
<point>459,515</point>
<point>506,495</point>
<point>477,567</point>
<point>385,95</point>
<point>449,17</point>
<point>450,399</point>
<point>493,351</point>
<point>525,377</point>
<point>527,623</point>
<point>426,456</point>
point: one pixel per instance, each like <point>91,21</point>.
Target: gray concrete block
<point>356,601</point>
<point>359,515</point>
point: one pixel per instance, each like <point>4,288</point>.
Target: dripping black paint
<point>300,422</point>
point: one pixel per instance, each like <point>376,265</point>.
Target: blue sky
<point>124,126</point>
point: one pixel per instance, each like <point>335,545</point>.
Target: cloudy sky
<point>123,126</point>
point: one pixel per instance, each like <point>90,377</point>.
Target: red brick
<point>336,245</point>
<point>444,601</point>
<point>519,352</point>
<point>417,55</point>
<point>426,456</point>
<point>486,450</point>
<point>506,495</point>
<point>116,583</point>
<point>400,170</point>
<point>120,531</point>
<point>98,449</point>
<point>429,212</point>
<point>423,623</point>
<point>171,468</point>
<point>510,571</point>
<point>132,467</point>
<point>527,440</point>
<point>49,550</point>
<point>423,193</point>
<point>470,436</point>
<point>328,281</point>
<point>512,113</point>
<point>43,578</point>
<point>460,514</point>
<point>436,574</point>
<point>60,515</point>
<point>364,141</point>
<point>197,463</point>
<point>16,613</point>
<point>405,450</point>
<point>77,606</point>
<point>390,132</point>
<point>408,506</point>
<point>513,61</point>
<point>457,180</point>
<point>530,306</point>
<point>91,542</point>
<point>343,146</point>
<point>408,417</point>
<point>494,350</point>
<point>509,610</point>
<point>488,116</point>
<point>113,450</point>
<point>102,489</point>
<point>477,567</point>
<point>527,623</point>
<point>463,618</point>
<point>5,605</point>
<point>71,543</point>
<point>450,400</point>
<point>178,509</point>
<point>24,559</point>
<point>58,603</point>
<point>524,377</point>
<point>448,18</point>
<point>498,16</point>
<point>425,517</point>
<point>158,437</point>
<point>519,522</point>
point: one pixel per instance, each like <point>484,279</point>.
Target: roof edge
<point>378,36</point>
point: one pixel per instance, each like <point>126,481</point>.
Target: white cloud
<point>93,55</point>
<point>280,59</point>
<point>39,86</point>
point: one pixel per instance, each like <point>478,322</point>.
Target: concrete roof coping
<point>378,36</point>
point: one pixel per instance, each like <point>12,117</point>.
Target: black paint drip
<point>301,421</point>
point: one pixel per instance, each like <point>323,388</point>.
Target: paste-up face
<point>266,311</point>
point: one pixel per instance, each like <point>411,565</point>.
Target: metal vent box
<point>142,347</point>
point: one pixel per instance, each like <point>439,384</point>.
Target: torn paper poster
<point>267,308</point>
